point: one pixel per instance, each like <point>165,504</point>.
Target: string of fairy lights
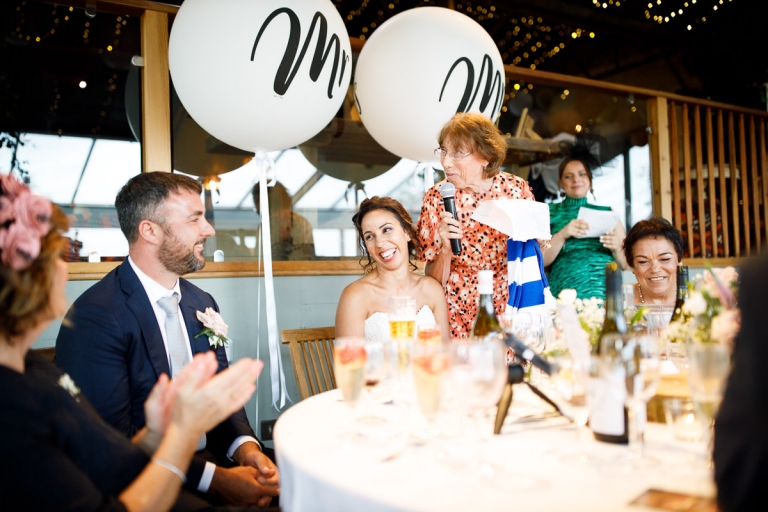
<point>660,11</point>
<point>528,42</point>
<point>62,18</point>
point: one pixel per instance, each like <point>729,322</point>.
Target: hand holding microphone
<point>447,191</point>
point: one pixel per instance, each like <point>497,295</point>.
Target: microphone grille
<point>447,189</point>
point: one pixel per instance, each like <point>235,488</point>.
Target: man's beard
<point>177,258</point>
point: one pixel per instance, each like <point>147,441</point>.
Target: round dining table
<point>384,457</point>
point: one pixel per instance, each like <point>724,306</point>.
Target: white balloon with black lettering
<point>260,75</point>
<point>417,70</point>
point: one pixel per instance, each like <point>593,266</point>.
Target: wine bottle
<point>608,416</point>
<point>682,291</point>
<point>486,321</point>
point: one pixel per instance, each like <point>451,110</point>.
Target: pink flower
<point>18,246</point>
<point>33,212</point>
<point>718,288</point>
<point>212,320</point>
<point>725,326</point>
<point>6,209</point>
<point>727,275</point>
<point>12,187</point>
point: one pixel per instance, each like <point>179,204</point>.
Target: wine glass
<point>430,367</point>
<point>349,358</point>
<point>478,375</point>
<point>570,381</point>
<point>631,367</point>
<point>708,367</point>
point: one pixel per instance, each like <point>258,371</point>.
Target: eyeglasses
<point>455,156</point>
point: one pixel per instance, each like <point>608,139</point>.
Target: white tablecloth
<point>321,470</point>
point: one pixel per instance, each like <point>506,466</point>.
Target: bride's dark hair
<point>395,208</point>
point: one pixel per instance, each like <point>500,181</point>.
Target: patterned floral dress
<point>482,248</point>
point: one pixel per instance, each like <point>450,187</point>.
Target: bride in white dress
<point>388,238</point>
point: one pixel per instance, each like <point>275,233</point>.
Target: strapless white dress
<point>377,325</point>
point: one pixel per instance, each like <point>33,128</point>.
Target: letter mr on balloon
<point>244,69</point>
<point>285,74</point>
<point>417,70</point>
<point>494,81</point>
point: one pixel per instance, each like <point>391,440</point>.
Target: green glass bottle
<point>486,321</point>
<point>682,291</point>
<point>608,416</point>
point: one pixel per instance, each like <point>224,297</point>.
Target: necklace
<point>640,291</point>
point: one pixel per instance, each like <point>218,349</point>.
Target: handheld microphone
<point>526,353</point>
<point>447,190</point>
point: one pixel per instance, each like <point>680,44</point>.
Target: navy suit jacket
<point>112,347</point>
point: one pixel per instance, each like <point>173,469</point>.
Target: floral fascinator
<point>24,219</point>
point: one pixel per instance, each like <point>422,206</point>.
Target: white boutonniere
<point>67,383</point>
<point>215,328</point>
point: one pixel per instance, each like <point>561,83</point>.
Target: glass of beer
<point>402,330</point>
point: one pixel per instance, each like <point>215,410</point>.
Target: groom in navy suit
<point>121,334</point>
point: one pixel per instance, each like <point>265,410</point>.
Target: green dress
<point>581,262</point>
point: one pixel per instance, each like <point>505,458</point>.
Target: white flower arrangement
<point>590,312</point>
<point>215,328</point>
<point>710,314</point>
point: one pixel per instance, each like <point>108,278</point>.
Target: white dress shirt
<point>155,291</point>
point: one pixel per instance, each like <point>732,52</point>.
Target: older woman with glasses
<point>471,149</point>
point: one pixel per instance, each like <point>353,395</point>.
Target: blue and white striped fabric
<point>528,286</point>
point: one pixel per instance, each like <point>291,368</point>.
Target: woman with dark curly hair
<point>388,240</point>
<point>653,248</point>
<point>58,454</point>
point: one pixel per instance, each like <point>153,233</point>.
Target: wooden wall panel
<point>155,93</point>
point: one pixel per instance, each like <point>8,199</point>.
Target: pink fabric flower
<point>12,187</point>
<point>33,212</point>
<point>725,326</point>
<point>18,246</point>
<point>6,209</point>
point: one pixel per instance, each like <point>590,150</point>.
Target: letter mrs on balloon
<point>288,66</point>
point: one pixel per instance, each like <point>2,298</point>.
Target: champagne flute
<point>631,366</point>
<point>402,327</point>
<point>374,370</point>
<point>349,359</point>
<point>570,380</point>
<point>478,375</point>
<point>708,367</point>
<point>428,333</point>
<point>430,367</point>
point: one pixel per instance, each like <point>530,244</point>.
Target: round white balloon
<point>257,74</point>
<point>417,70</point>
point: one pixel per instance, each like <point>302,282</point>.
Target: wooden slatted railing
<point>719,174</point>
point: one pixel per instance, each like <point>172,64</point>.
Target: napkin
<point>519,219</point>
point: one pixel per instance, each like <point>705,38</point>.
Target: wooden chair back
<point>312,358</point>
<point>48,352</point>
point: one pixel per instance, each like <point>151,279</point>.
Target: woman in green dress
<point>576,261</point>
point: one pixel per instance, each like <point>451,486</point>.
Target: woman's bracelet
<point>170,467</point>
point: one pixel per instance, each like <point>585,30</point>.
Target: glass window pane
<point>71,110</point>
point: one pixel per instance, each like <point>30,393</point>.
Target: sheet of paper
<point>600,221</point>
<point>519,219</point>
